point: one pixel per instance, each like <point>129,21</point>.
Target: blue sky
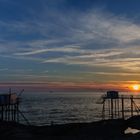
<point>70,42</point>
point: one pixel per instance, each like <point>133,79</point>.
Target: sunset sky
<point>69,44</point>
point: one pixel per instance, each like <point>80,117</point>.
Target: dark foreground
<point>101,130</point>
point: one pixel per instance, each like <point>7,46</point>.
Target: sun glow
<point>136,87</point>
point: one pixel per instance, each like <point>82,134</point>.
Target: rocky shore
<point>101,130</point>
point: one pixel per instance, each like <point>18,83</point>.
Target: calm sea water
<point>61,107</point>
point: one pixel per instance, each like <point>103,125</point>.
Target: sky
<point>69,44</point>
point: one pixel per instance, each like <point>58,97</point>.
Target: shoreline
<point>104,129</point>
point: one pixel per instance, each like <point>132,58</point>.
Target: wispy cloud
<point>3,69</point>
<point>95,39</point>
<point>72,49</point>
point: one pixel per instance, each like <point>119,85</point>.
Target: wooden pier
<point>119,106</point>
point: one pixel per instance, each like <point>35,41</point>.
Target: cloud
<point>95,39</point>
<point>4,69</point>
<point>60,49</point>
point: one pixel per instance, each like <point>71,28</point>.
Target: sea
<point>45,108</point>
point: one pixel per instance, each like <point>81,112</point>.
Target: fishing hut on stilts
<point>115,106</point>
<point>9,107</point>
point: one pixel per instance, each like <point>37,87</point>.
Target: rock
<point>134,122</point>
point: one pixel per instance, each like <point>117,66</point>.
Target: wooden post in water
<point>103,110</point>
<point>2,112</point>
<point>109,108</point>
<point>122,107</point>
<point>118,105</point>
<point>6,112</point>
<point>112,115</point>
<point>131,98</point>
<point>115,108</point>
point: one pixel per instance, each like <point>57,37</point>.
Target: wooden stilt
<point>118,104</point>
<point>112,114</point>
<point>2,112</point>
<point>122,107</point>
<point>109,108</point>
<point>115,109</point>
<point>103,110</point>
<point>131,105</point>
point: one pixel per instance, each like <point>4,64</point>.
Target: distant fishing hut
<point>9,107</point>
<point>114,105</point>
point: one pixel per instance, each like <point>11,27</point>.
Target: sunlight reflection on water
<point>59,107</point>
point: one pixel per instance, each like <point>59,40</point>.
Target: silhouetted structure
<point>9,107</point>
<point>114,105</point>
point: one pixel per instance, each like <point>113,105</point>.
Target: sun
<point>136,87</point>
